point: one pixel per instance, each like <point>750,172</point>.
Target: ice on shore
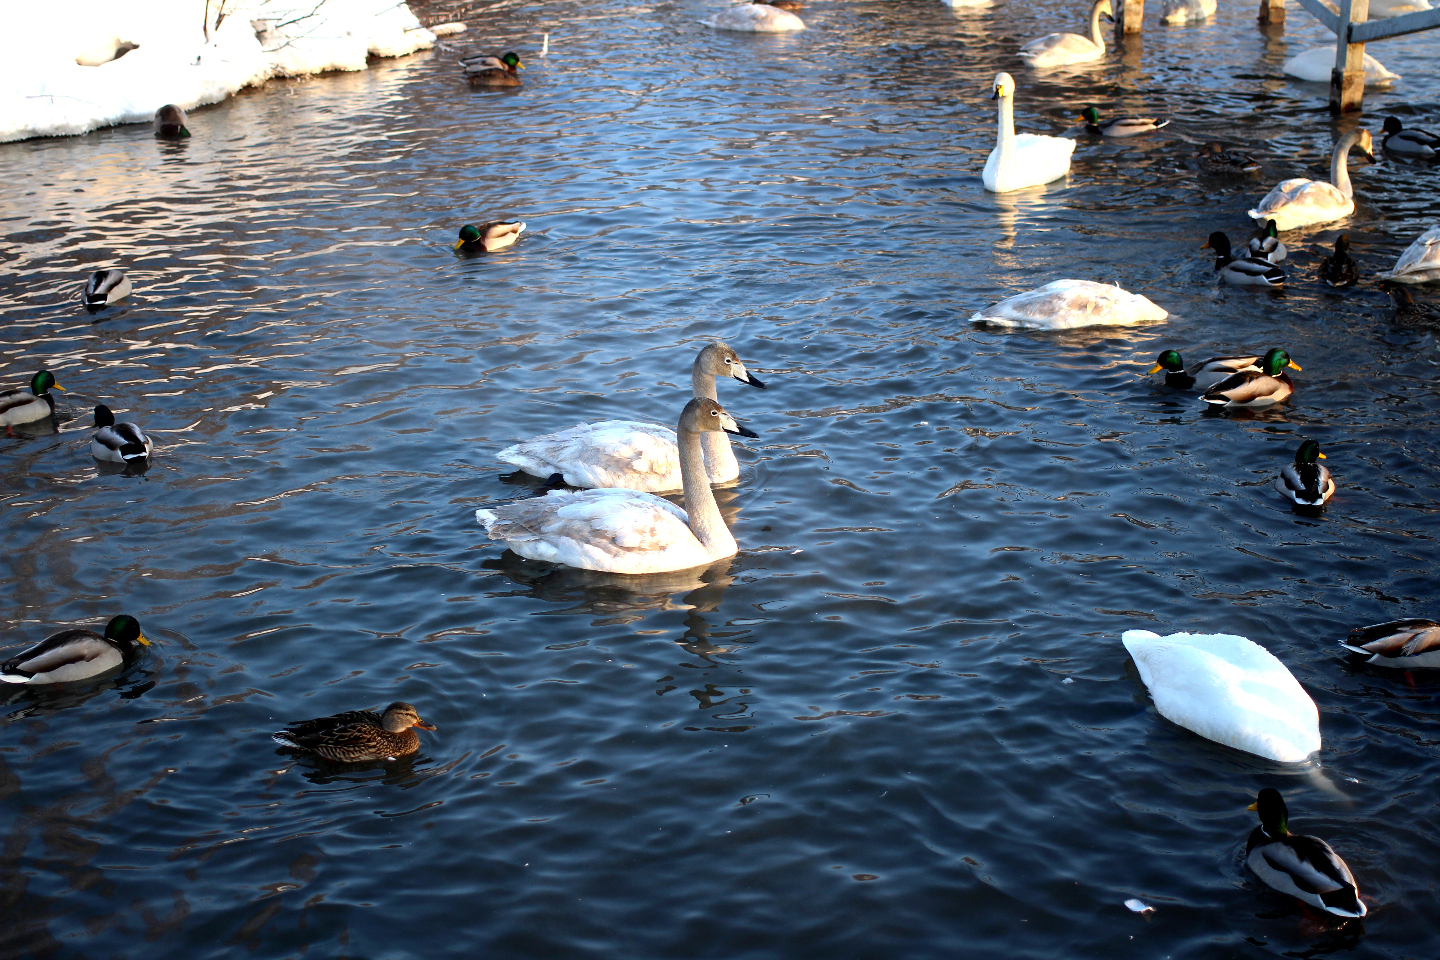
<point>77,65</point>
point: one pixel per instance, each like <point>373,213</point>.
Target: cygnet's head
<point>702,415</point>
<point>720,359</point>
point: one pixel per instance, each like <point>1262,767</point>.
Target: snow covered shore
<point>62,74</point>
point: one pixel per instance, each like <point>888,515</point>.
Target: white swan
<point>1299,202</point>
<point>1384,9</point>
<point>957,4</point>
<point>1063,304</point>
<point>1186,11</point>
<point>1027,160</point>
<point>1058,49</point>
<point>1227,689</point>
<point>626,531</point>
<point>755,18</point>
<point>1420,263</point>
<point>631,454</point>
<point>1316,63</point>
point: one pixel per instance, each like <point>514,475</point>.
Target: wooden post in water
<point>1272,11</point>
<point>1347,80</point>
<point>1129,16</point>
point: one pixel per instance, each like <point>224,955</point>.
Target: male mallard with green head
<point>1205,374</point>
<point>489,70</point>
<point>17,406</point>
<point>1256,388</point>
<point>1118,126</point>
<point>77,654</point>
<point>1304,867</point>
<point>1305,482</point>
<point>358,736</point>
<point>489,237</point>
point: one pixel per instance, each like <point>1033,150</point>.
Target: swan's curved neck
<point>1095,36</point>
<point>1006,135</point>
<point>705,520</point>
<point>718,452</point>
<point>1340,167</point>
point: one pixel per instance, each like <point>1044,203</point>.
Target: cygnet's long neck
<point>1006,134</point>
<point>719,457</point>
<point>1095,35</point>
<point>1340,166</point>
<point>705,520</point>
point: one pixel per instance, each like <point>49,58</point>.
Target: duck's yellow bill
<point>1156,369</point>
<point>1254,806</point>
<point>141,638</point>
<point>1320,455</point>
<point>58,387</point>
<point>458,244</point>
<point>1205,245</point>
<point>1294,366</point>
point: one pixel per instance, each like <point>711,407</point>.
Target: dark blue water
<point>900,722</point>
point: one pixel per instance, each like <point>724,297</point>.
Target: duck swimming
<point>104,288</point>
<point>1401,644</point>
<point>1214,158</point>
<point>170,122</point>
<point>491,70</point>
<point>1340,270</point>
<point>1118,126</point>
<point>1408,313</point>
<point>17,406</point>
<point>1304,867</point>
<point>358,736</point>
<point>1205,374</point>
<point>1305,482</point>
<point>489,237</point>
<point>1246,388</point>
<point>1413,142</point>
<point>1246,271</point>
<point>77,654</point>
<point>1266,245</point>
<point>117,442</point>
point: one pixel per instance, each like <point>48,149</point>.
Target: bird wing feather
<point>610,453</point>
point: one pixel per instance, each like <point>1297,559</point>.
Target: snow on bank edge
<point>48,86</point>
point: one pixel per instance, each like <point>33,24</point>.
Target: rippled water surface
<point>900,723</point>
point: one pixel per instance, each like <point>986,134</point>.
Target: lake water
<point>900,723</point>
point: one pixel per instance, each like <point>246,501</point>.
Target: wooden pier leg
<point>1130,15</point>
<point>1347,80</point>
<point>1272,11</point>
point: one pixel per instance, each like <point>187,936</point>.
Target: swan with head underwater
<point>629,453</point>
<point>626,531</point>
<point>1059,49</point>
<point>1026,160</point>
<point>1300,202</point>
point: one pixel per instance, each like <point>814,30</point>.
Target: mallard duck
<point>1205,374</point>
<point>1340,269</point>
<point>490,70</point>
<point>755,18</point>
<point>1059,49</point>
<point>1063,304</point>
<point>1118,126</point>
<point>1265,243</point>
<point>626,531</point>
<point>1027,160</point>
<point>1263,388</point>
<point>77,654</point>
<point>1214,158</point>
<point>1299,202</point>
<point>358,736</point>
<point>1245,272</point>
<point>1420,262</point>
<point>631,454</point>
<point>120,442</point>
<point>1306,482</point>
<point>1400,643</point>
<point>170,122</point>
<point>1227,689</point>
<point>489,237</point>
<point>106,287</point>
<point>17,406</point>
<point>1410,143</point>
<point>1304,867</point>
<point>1408,313</point>
<point>1187,11</point>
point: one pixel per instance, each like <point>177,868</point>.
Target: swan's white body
<point>1063,304</point>
<point>1059,49</point>
<point>625,531</point>
<point>967,3</point>
<point>1384,9</point>
<point>1300,202</point>
<point>1316,63</point>
<point>755,18</point>
<point>1420,263</point>
<point>630,454</point>
<point>1186,11</point>
<point>1022,161</point>
<point>1227,689</point>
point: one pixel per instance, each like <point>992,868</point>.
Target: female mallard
<point>1304,867</point>
<point>1408,313</point>
<point>1118,126</point>
<point>120,442</point>
<point>1400,643</point>
<point>17,406</point>
<point>489,237</point>
<point>104,288</point>
<point>1305,482</point>
<point>1409,143</point>
<point>1420,262</point>
<point>1340,269</point>
<point>1205,374</point>
<point>77,654</point>
<point>1214,158</point>
<point>1059,49</point>
<point>489,70</point>
<point>1026,160</point>
<point>1299,202</point>
<point>170,122</point>
<point>1256,388</point>
<point>1246,271</point>
<point>358,736</point>
<point>1265,243</point>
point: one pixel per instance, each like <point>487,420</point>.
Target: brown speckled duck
<point>358,736</point>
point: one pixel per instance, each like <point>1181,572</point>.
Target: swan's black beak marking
<point>753,380</point>
<point>743,431</point>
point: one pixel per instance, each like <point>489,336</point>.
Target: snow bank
<point>62,74</point>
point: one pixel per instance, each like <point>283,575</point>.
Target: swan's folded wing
<point>599,526</point>
<point>1422,255</point>
<point>1062,304</point>
<point>610,453</point>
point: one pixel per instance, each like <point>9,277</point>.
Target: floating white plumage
<point>1064,304</point>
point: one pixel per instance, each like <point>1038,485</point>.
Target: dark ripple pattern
<point>900,723</point>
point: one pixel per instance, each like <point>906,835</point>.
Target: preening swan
<point>1304,867</point>
<point>1026,160</point>
<point>1058,49</point>
<point>1063,304</point>
<point>1316,63</point>
<point>634,455</point>
<point>1227,689</point>
<point>1300,202</point>
<point>626,531</point>
<point>755,18</point>
<point>1420,262</point>
<point>1186,11</point>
